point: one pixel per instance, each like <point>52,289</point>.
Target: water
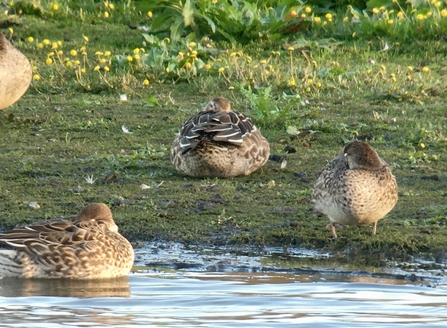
<point>178,287</point>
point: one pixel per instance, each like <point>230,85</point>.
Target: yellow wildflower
<point>149,14</point>
<point>55,7</point>
<point>97,67</point>
<point>317,19</point>
<point>192,44</point>
<point>73,53</point>
<point>444,12</point>
<point>49,61</point>
<point>30,39</point>
<point>46,42</point>
<point>207,67</point>
<point>221,70</point>
<point>129,58</point>
<point>106,14</point>
<point>106,68</point>
<point>425,69</point>
<point>375,11</point>
<point>308,10</point>
<point>107,54</point>
<point>146,82</point>
<point>400,15</point>
<point>329,17</point>
<point>36,77</point>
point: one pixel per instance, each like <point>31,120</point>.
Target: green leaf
<point>152,101</point>
<point>379,3</point>
<point>176,30</point>
<point>188,13</point>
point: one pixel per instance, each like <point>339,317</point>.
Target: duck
<point>85,246</point>
<point>219,143</point>
<point>355,188</point>
<point>15,73</point>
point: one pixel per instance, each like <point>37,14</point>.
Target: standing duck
<point>15,73</point>
<point>85,246</point>
<point>356,187</point>
<point>218,142</point>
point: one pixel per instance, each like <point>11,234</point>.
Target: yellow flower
<point>192,44</point>
<point>137,57</point>
<point>82,49</point>
<point>36,77</point>
<point>82,70</point>
<point>422,145</point>
<point>444,12</point>
<point>59,43</point>
<point>214,2</point>
<point>77,62</point>
<point>188,65</point>
<point>46,42</point>
<point>73,53</point>
<point>99,53</point>
<point>263,62</point>
<point>146,82</point>
<point>410,68</point>
<point>107,54</point>
<point>40,45</point>
<point>345,19</point>
<point>400,15</point>
<point>310,81</point>
<point>49,61</point>
<point>55,7</point>
<point>97,67</point>
<point>129,58</point>
<point>308,10</point>
<point>420,17</point>
<point>390,22</point>
<point>11,30</point>
<point>317,19</point>
<point>54,45</point>
<point>230,88</point>
<point>290,48</point>
<point>425,69</point>
<point>69,64</point>
<point>438,4</point>
<point>329,17</point>
<point>221,70</point>
<point>111,6</point>
<point>106,14</point>
<point>233,54</point>
<point>149,14</point>
<point>375,11</point>
<point>106,68</point>
<point>136,51</point>
<point>292,82</point>
<point>303,16</point>
<point>318,85</point>
<point>207,67</point>
<point>102,61</point>
<point>30,39</point>
<point>293,13</point>
<point>85,38</point>
<point>324,23</point>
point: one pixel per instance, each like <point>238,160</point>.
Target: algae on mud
<point>55,139</point>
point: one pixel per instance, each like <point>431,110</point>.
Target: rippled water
<point>178,287</point>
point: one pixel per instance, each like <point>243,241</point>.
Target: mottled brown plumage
<point>15,73</point>
<point>218,142</point>
<point>85,246</point>
<point>356,187</point>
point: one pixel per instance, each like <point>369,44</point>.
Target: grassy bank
<point>72,140</point>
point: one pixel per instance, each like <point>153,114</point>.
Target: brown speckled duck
<point>218,142</point>
<point>15,73</point>
<point>85,246</point>
<point>356,187</point>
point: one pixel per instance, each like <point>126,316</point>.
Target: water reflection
<point>16,287</point>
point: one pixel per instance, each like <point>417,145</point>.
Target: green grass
<point>306,91</point>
